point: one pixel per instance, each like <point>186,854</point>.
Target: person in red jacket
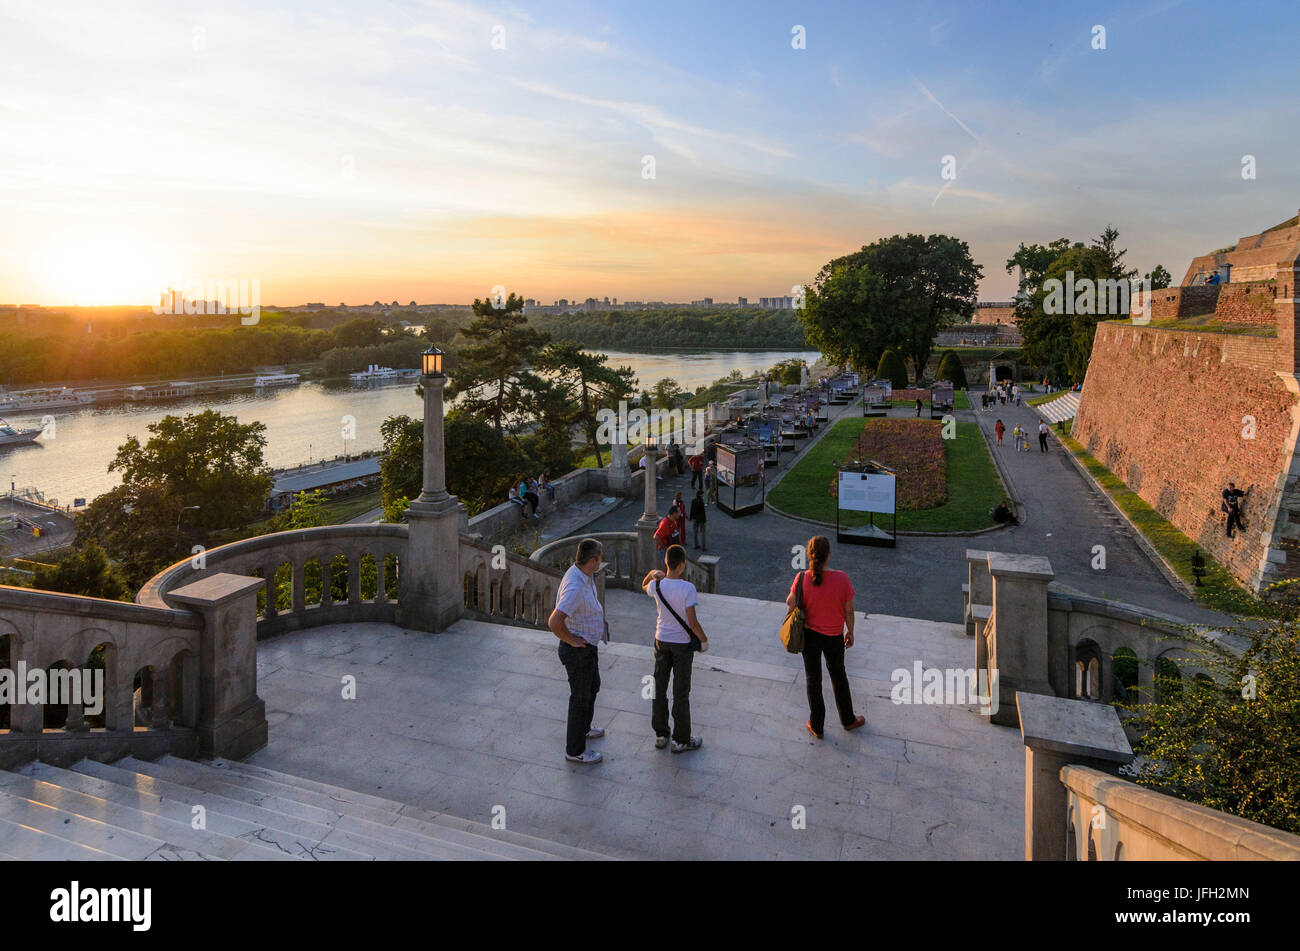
<point>666,534</point>
<point>828,632</point>
<point>696,462</point>
<point>999,429</point>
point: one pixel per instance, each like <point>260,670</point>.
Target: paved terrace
<point>472,718</point>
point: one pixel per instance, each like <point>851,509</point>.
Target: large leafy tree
<point>137,526</point>
<point>897,292</point>
<point>588,384</point>
<point>493,378</point>
<point>1230,741</point>
<point>1053,337</point>
<point>206,459</point>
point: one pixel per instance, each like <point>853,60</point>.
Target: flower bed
<point>913,448</point>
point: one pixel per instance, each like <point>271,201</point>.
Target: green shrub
<point>950,369</point>
<point>891,368</point>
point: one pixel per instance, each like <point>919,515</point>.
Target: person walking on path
<point>698,519</point>
<point>1042,435</point>
<point>675,599</point>
<point>828,632</point>
<point>918,407</point>
<point>999,428</point>
<point>696,462</point>
<point>579,622</point>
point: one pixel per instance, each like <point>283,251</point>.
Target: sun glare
<point>89,270</point>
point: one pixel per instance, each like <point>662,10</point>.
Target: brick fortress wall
<point>1239,304</point>
<point>1164,411</point>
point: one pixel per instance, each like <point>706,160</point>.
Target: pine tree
<point>493,373</point>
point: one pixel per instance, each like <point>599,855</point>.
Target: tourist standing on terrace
<point>711,483</point>
<point>579,622</point>
<point>666,534</point>
<point>1042,435</point>
<point>828,632</point>
<point>698,519</point>
<point>696,462</point>
<point>675,599</point>
<point>999,428</point>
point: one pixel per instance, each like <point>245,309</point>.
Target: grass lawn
<point>973,483</point>
<point>1045,398</point>
<point>1221,591</point>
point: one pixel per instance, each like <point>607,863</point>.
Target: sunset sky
<point>386,150</point>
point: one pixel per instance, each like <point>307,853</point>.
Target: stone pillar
<point>231,717</point>
<point>649,521</point>
<point>619,474</point>
<point>431,597</point>
<point>979,585</point>
<point>803,377</point>
<point>1017,649</point>
<point>1059,732</point>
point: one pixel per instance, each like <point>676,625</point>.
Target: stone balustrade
<point>310,576</point>
<point>504,586</point>
<point>1077,808</point>
<point>1044,638</point>
<point>177,680</point>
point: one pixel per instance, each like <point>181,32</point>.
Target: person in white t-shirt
<point>675,598</point>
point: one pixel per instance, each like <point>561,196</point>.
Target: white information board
<point>866,492</point>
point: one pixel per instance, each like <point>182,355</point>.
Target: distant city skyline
<point>672,151</point>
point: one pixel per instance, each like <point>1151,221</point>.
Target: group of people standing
<point>578,621</point>
<point>1020,435</point>
<point>1002,394</point>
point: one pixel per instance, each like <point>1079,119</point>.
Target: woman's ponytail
<point>819,552</point>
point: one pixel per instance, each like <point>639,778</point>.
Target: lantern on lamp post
<point>432,362</point>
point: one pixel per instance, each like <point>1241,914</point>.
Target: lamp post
<point>649,521</point>
<point>180,515</point>
<point>431,596</point>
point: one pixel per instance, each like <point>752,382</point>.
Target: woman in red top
<point>828,632</point>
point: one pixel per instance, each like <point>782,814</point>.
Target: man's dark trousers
<point>1042,442</point>
<point>697,478</point>
<point>814,646</point>
<point>1234,519</point>
<point>672,659</point>
<point>583,667</point>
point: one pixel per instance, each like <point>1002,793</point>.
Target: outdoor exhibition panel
<point>943,399</point>
<point>742,479</point>
<point>866,492</point>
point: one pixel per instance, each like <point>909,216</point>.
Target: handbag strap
<point>798,592</point>
<point>676,617</point>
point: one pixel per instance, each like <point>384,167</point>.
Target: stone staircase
<point>1060,409</point>
<point>133,809</point>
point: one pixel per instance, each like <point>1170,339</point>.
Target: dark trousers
<point>674,659</point>
<point>583,667</point>
<point>1042,442</point>
<point>1234,519</point>
<point>697,478</point>
<point>815,646</point>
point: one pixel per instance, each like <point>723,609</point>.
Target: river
<point>303,423</point>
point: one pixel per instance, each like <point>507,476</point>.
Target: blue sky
<point>353,151</point>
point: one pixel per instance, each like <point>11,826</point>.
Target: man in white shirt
<point>675,598</point>
<point>579,622</point>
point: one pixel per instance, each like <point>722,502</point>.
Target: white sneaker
<point>661,742</point>
<point>595,733</point>
<point>588,757</point>
<point>694,743</point>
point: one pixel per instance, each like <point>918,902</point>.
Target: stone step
<point>174,832</point>
<point>28,844</point>
<point>288,833</point>
<point>388,815</point>
<point>357,835</point>
<point>113,840</point>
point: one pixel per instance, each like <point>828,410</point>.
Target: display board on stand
<point>943,398</point>
<point>742,479</point>
<point>866,497</point>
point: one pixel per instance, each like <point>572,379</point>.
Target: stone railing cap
<point>216,589</point>
<point>1020,566</point>
<point>1072,727</point>
<point>977,554</point>
<point>708,559</point>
